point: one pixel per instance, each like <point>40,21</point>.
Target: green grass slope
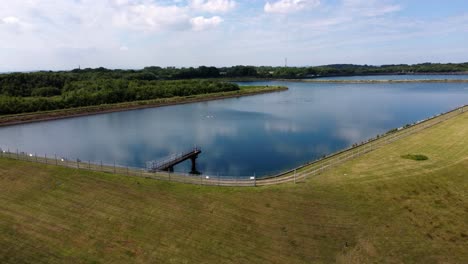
<point>379,208</point>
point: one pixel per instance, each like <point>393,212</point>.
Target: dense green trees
<point>22,84</point>
<point>36,91</point>
<point>45,91</point>
<point>351,69</point>
<point>103,91</point>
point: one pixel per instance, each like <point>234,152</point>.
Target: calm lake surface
<point>262,134</point>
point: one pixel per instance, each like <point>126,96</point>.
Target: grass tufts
<point>417,157</point>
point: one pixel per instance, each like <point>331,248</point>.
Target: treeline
<point>351,69</point>
<point>53,94</point>
<point>21,84</point>
<point>296,72</point>
<point>38,91</point>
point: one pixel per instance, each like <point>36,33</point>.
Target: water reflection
<point>259,135</point>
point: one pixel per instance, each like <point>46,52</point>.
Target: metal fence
<point>299,174</point>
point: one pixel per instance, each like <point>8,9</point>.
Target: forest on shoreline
<point>239,71</point>
<point>48,90</point>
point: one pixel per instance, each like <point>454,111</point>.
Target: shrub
<point>417,157</point>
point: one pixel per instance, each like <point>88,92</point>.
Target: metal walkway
<point>168,164</point>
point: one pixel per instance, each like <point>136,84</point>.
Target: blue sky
<point>60,35</point>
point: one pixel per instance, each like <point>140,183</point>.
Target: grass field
<point>379,208</point>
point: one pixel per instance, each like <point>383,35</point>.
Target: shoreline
<point>331,160</point>
<point>378,81</point>
<point>316,80</point>
<point>11,120</point>
<point>295,175</point>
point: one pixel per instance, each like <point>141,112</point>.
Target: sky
<point>132,34</point>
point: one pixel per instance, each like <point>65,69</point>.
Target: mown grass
<point>378,208</point>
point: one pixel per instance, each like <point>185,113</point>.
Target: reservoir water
<point>261,135</point>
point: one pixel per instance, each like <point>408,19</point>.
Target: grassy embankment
<point>107,108</point>
<point>379,208</point>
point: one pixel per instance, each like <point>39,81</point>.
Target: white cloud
<point>202,23</point>
<point>11,20</point>
<point>148,16</point>
<point>370,8</point>
<point>16,25</point>
<point>51,34</point>
<point>123,48</point>
<point>289,6</point>
<point>151,17</point>
<point>121,2</point>
<point>213,6</point>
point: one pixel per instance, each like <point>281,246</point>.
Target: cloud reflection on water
<point>242,136</point>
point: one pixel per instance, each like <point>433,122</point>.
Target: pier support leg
<point>194,165</point>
